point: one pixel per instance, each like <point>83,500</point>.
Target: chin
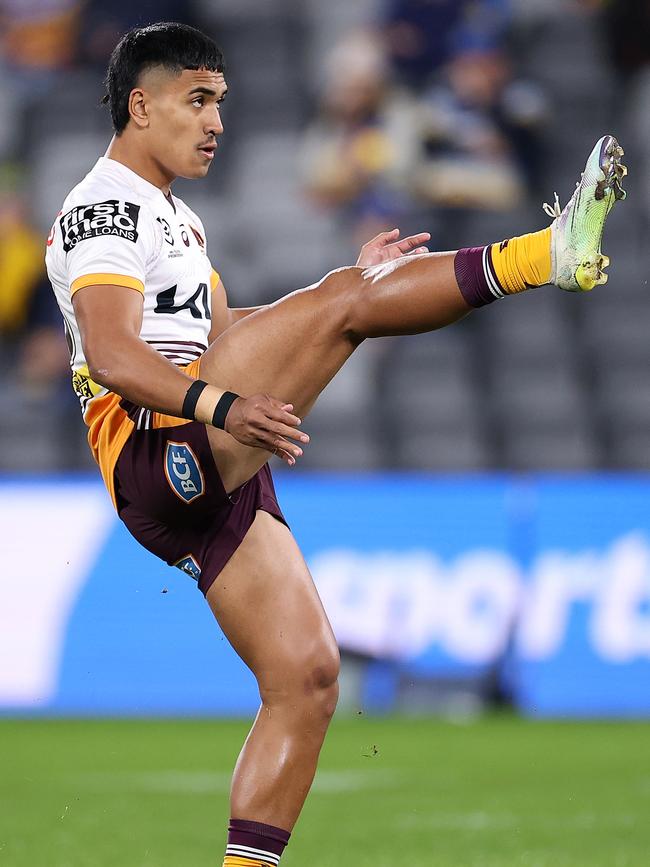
<point>195,173</point>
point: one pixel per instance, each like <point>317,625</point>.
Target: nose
<point>214,125</point>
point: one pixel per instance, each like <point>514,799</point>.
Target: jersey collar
<point>133,179</point>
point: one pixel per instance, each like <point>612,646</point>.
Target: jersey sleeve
<point>113,241</point>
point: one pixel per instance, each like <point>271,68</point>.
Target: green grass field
<point>496,793</point>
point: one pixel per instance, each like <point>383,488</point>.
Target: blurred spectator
<point>43,359</point>
<point>105,23</point>
<point>29,319</point>
<point>38,36</point>
<point>360,150</point>
<point>418,125</point>
<point>21,254</point>
<point>626,29</point>
<point>481,136</point>
<point>419,33</point>
<point>37,42</point>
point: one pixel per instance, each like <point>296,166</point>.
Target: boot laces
<point>554,210</point>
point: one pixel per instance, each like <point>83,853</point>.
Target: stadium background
<point>481,540</point>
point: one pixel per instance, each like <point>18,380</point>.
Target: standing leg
<point>267,605</point>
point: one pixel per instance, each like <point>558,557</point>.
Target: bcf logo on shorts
<point>189,566</point>
<point>183,472</point>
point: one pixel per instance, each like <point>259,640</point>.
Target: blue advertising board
<point>544,580</point>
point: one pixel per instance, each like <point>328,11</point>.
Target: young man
<point>159,362</point>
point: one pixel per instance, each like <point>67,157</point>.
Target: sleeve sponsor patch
<point>112,217</point>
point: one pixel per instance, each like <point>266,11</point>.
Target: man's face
<point>184,119</point>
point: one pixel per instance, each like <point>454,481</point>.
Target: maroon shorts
<point>172,500</point>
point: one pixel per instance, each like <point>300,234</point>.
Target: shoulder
<point>105,204</point>
<point>106,186</point>
<point>100,183</point>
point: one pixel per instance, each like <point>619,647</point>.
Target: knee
<point>321,684</point>
<point>308,684</point>
<point>343,291</point>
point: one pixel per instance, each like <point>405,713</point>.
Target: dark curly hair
<point>168,44</point>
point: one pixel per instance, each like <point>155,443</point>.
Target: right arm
<point>110,319</point>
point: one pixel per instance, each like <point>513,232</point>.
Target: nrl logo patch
<point>183,472</point>
<point>189,566</point>
<point>111,217</point>
<point>167,232</point>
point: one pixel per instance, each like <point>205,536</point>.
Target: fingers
<point>267,423</point>
<point>289,460</point>
<point>286,408</point>
<point>417,251</point>
<point>285,451</point>
<point>276,437</point>
<point>286,425</point>
<point>406,245</point>
<point>287,432</point>
<point>286,415</point>
<point>278,445</point>
<point>409,245</point>
<point>383,238</point>
<point>386,237</point>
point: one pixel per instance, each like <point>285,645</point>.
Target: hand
<point>266,423</point>
<point>386,247</point>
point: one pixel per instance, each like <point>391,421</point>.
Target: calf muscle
<point>267,605</point>
<point>407,296</point>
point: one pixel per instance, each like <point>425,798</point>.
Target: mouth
<point>208,151</point>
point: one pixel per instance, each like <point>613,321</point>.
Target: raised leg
<point>267,605</point>
<point>293,348</point>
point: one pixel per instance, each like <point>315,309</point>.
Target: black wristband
<point>221,409</point>
<point>192,398</point>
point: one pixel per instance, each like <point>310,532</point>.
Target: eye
<point>198,101</point>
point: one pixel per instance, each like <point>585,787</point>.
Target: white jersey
<point>117,228</point>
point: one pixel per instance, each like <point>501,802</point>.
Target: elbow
<point>101,375</point>
<point>104,366</point>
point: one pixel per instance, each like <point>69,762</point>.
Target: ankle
<point>485,274</point>
<point>523,262</point>
<point>254,844</point>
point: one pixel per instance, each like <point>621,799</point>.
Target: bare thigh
<point>269,609</point>
<point>290,350</point>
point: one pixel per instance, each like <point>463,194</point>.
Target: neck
<point>124,151</point>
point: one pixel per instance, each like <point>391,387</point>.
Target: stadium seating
<point>541,381</point>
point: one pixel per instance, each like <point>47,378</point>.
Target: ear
<point>138,109</point>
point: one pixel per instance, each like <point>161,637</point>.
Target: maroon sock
<point>256,841</point>
<point>476,276</point>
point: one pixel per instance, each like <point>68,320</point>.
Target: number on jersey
<point>166,302</point>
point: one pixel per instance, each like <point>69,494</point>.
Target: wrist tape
<point>192,396</point>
